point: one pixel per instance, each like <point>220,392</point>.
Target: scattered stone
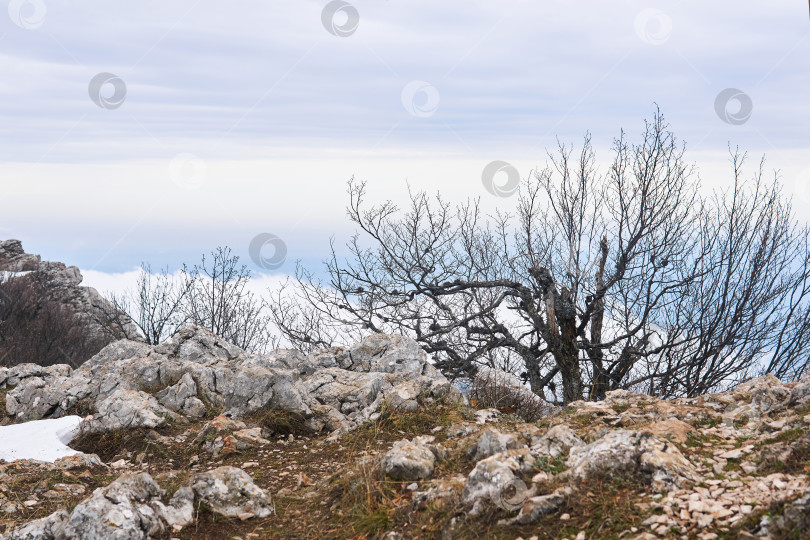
<point>623,450</point>
<point>492,441</point>
<point>130,507</point>
<point>40,529</point>
<point>484,416</point>
<point>556,441</point>
<point>408,460</point>
<point>496,480</point>
<point>230,492</point>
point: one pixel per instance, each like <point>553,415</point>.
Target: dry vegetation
<point>335,488</point>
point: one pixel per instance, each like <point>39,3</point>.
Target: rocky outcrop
<point>98,319</point>
<point>629,466</point>
<point>14,259</point>
<point>13,376</point>
<point>129,384</point>
<point>130,507</point>
<point>133,507</point>
<point>626,451</point>
<point>126,409</point>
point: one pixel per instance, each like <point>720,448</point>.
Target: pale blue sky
<point>247,117</point>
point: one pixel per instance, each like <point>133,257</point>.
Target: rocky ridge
<point>129,384</point>
<point>63,285</point>
<point>370,441</point>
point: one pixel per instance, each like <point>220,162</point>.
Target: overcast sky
<point>220,121</point>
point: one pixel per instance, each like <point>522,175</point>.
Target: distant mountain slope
<point>47,317</point>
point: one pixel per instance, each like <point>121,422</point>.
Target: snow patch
<point>43,440</point>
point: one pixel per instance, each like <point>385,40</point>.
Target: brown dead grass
<point>326,490</point>
<point>336,489</point>
<point>27,481</point>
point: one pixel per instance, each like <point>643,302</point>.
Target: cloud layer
<point>248,117</point>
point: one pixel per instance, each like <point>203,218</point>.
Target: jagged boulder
<point>230,492</point>
<point>132,507</point>
<point>765,394</point>
<point>409,460</point>
<point>129,508</point>
<point>15,375</point>
<point>556,441</point>
<point>801,392</point>
<point>14,259</point>
<point>491,441</point>
<point>284,359</point>
<point>182,397</point>
<point>623,451</point>
<point>126,409</point>
<point>379,353</point>
<point>496,480</point>
<point>40,529</point>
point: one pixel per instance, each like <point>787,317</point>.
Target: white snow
<point>43,440</point>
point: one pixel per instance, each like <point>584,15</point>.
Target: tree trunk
<point>601,380</point>
<point>561,333</point>
<point>568,352</point>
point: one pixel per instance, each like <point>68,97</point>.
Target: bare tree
<point>218,300</point>
<point>750,313</point>
<point>627,279</point>
<point>157,305</point>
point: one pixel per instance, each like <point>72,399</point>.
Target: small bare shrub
<point>496,389</point>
